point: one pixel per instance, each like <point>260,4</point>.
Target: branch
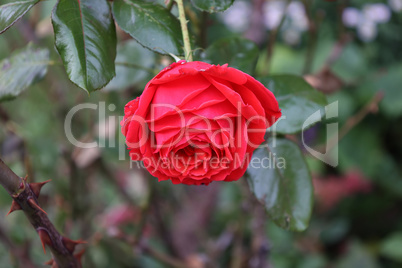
<point>10,181</point>
<point>259,246</point>
<point>25,197</point>
<point>272,38</point>
<point>370,107</point>
<point>3,115</point>
<point>111,176</point>
<point>164,258</point>
<point>313,36</point>
<point>338,49</point>
<point>256,28</point>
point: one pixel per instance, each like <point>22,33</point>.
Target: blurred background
<point>350,50</point>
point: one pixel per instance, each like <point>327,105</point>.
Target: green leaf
<point>22,69</point>
<point>298,101</point>
<point>10,13</point>
<point>392,247</point>
<point>280,179</point>
<point>152,25</point>
<point>86,41</point>
<point>132,62</point>
<point>238,52</point>
<point>212,5</point>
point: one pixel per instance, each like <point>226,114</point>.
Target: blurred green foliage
<point>360,228</point>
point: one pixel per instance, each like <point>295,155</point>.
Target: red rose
<point>196,123</point>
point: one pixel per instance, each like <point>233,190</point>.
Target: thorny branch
<point>25,197</point>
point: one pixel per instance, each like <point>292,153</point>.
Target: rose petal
<point>226,73</point>
<point>194,114</point>
<point>234,98</point>
<point>271,107</point>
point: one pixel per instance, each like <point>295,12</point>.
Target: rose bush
<point>196,123</point>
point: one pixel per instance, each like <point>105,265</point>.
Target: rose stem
<point>186,38</point>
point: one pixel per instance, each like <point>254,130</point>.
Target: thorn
<point>78,256</point>
<point>37,186</point>
<point>44,238</point>
<point>14,206</point>
<point>34,205</point>
<point>22,185</point>
<point>70,244</point>
<point>50,262</point>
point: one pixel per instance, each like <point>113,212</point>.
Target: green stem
<point>186,38</point>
